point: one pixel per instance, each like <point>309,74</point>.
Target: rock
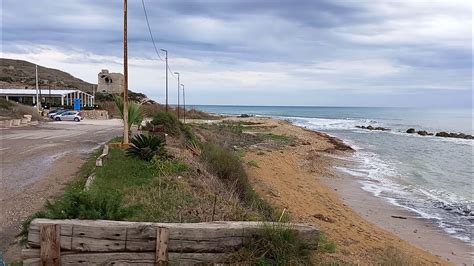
<point>369,127</point>
<point>422,133</point>
<point>442,134</point>
<point>411,130</point>
<point>306,143</point>
<point>323,218</point>
<point>454,135</point>
<point>245,115</point>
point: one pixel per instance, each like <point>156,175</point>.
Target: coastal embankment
<point>303,179</point>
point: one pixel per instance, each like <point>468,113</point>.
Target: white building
<point>62,97</point>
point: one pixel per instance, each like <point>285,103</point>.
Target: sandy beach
<point>302,179</point>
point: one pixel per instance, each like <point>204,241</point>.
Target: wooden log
<point>49,244</point>
<point>115,236</point>
<point>140,258</point>
<point>162,238</point>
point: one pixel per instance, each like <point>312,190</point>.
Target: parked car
<point>68,116</point>
<point>58,111</point>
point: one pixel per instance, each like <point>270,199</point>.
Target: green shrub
<point>276,245</point>
<point>146,147</point>
<point>326,245</point>
<point>78,204</point>
<point>227,166</point>
<point>169,122</point>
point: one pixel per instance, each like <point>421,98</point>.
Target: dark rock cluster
<point>440,134</point>
<point>374,128</point>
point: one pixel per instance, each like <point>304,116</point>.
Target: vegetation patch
<point>146,147</point>
<point>277,245</point>
<point>168,121</point>
<point>253,163</point>
<point>325,245</point>
<point>276,137</point>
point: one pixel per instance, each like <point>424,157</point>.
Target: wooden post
<point>162,237</point>
<point>49,244</point>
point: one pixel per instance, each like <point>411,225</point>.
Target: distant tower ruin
<point>110,82</point>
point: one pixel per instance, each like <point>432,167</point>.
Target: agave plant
<point>146,147</point>
<point>135,112</point>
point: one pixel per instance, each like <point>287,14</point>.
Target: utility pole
<point>37,95</point>
<point>125,75</point>
<point>166,70</point>
<point>177,73</point>
<point>184,104</point>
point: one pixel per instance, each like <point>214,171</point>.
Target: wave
<point>327,124</point>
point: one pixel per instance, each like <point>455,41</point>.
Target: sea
<point>431,176</point>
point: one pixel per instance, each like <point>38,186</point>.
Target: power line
<point>153,39</point>
<point>149,30</point>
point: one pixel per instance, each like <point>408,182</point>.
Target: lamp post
<point>177,73</point>
<point>125,75</point>
<point>184,104</point>
<point>166,70</point>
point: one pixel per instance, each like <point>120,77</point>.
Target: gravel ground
<point>36,163</point>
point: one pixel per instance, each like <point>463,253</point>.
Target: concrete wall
<point>95,114</point>
<point>110,82</point>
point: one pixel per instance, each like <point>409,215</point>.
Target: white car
<point>69,116</point>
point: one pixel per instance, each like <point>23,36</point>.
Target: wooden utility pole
<point>125,76</point>
<point>37,88</point>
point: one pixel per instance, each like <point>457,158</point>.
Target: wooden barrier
<point>100,160</point>
<point>54,242</point>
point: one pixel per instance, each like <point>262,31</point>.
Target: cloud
<point>226,47</point>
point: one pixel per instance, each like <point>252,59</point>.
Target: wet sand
<point>415,230</point>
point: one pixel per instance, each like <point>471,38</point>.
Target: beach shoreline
<point>361,224</point>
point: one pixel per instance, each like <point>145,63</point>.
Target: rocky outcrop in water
<point>373,128</point>
<point>454,135</point>
<point>440,134</point>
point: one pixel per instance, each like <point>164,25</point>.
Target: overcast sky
<point>260,52</point>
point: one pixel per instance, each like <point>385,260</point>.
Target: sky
<point>260,52</point>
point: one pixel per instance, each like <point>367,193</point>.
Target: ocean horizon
<point>427,175</point>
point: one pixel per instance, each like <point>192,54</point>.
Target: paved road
<point>36,163</point>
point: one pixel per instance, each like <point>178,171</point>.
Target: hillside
<point>20,74</point>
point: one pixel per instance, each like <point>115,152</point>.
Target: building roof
<point>32,92</point>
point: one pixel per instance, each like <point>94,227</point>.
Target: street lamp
<point>184,104</point>
<point>166,70</point>
<point>177,73</point>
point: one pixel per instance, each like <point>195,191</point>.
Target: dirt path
<point>36,163</point>
<point>292,178</point>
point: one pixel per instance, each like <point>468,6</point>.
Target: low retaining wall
<point>95,114</point>
<point>63,242</point>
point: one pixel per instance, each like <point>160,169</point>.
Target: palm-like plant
<point>135,112</point>
<point>146,147</point>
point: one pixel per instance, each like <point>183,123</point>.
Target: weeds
<point>393,257</point>
<point>169,122</point>
<point>168,167</point>
<point>253,163</point>
<point>227,166</point>
<point>276,137</point>
<point>276,245</point>
<point>326,245</point>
